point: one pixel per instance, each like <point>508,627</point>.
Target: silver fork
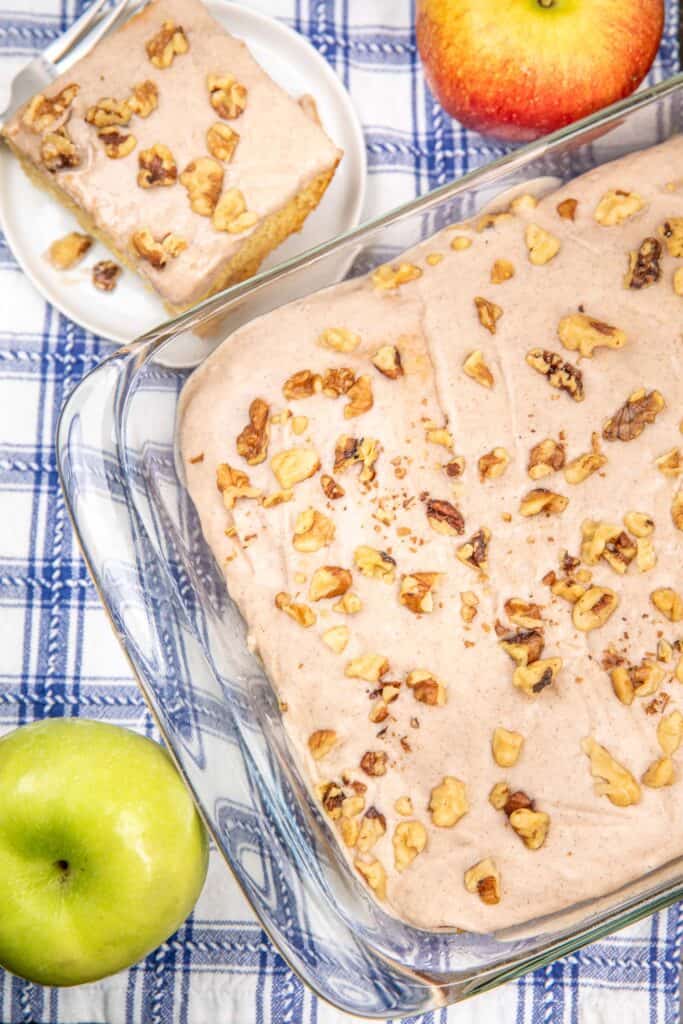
<point>44,68</point>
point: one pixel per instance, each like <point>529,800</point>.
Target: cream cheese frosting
<point>280,149</point>
<point>445,498</point>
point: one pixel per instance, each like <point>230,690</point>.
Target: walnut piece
<point>540,500</point>
<point>234,484</point>
<point>332,490</point>
<point>593,608</point>
<point>409,840</point>
<point>374,763</point>
<point>670,732</point>
<point>493,464</point>
<point>227,96</point>
<point>231,213</point>
<point>117,143</point>
<point>542,246</point>
<point>387,359</point>
<point>329,581</point>
<point>339,339</point>
<point>426,688</point>
<point>376,564</point>
<point>144,99</point>
<point>488,312</point>
<point>221,141</point>
<point>476,368</point>
<point>301,613</point>
<point>58,152</point>
<point>506,746</point>
<point>156,252</point>
<point>252,442</point>
<point>583,466</point>
<point>374,874</point>
<point>460,243</point>
<point>108,112</point>
<point>404,806</point>
<point>170,41</point>
<point>475,551</point>
<point>105,275</point>
<point>640,524</point>
<point>583,334</point>
<point>560,374</point>
<point>66,252</point>
<point>448,802</point>
<point>523,613</point>
<point>312,531</point>
<point>415,592</point>
<point>644,265</point>
<point>677,509</point>
<point>387,278</point>
<point>629,682</point>
<point>670,463</point>
<point>338,381</point>
<point>532,826</point>
<point>613,780</point>
<point>336,638</point>
<point>321,742</point>
<point>660,773</point>
<point>44,112</point>
<point>533,679</point>
<point>672,233</point>
<point>483,879</point>
<point>502,270</point>
<point>640,408</point>
<point>372,828</point>
<point>370,667</point>
<point>360,398</point>
<point>545,458</point>
<point>445,518</point>
<point>293,465</point>
<point>525,646</point>
<point>616,206</point>
<point>203,179</point>
<point>301,384</point>
<point>668,602</point>
<point>567,209</point>
<point>157,167</point>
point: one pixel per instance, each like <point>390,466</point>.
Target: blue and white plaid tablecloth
<point>59,657</point>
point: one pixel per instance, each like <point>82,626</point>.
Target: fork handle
<point>66,42</point>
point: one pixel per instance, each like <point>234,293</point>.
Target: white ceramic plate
<point>31,220</point>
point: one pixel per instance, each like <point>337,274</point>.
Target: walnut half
<point>66,252</point>
<point>613,780</point>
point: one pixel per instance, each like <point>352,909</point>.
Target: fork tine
<point>66,42</point>
<point>107,23</point>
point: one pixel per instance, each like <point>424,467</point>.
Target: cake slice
<point>175,148</point>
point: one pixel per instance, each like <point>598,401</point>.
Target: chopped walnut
<point>660,773</point>
<point>43,112</point>
<point>299,425</point>
<point>321,741</point>
<point>312,531</point>
<point>58,152</point>
<point>426,688</point>
<point>301,384</point>
<point>493,464</point>
<point>468,605</point>
<point>488,312</point>
<point>677,280</point>
<point>301,613</point>
<point>525,646</point>
<point>533,679</point>
<point>596,536</point>
<point>372,828</point>
<point>614,781</point>
<point>221,141</point>
<point>117,143</point>
<point>332,490</point>
<point>502,270</point>
<point>540,500</point>
<point>583,466</point>
<point>517,801</point>
<point>448,802</point>
<point>293,465</point>
<point>360,398</point>
<point>156,252</point>
<point>499,795</point>
<point>644,265</point>
<point>336,638</point>
<point>476,368</point>
<point>376,564</point>
<point>105,275</point>
<point>374,763</point>
<point>157,167</point>
<point>616,206</point>
<point>583,334</point>
<point>541,245</point>
<point>227,96</point>
<point>339,339</point>
<point>567,209</point>
<point>633,681</point>
<point>233,484</point>
<point>351,450</point>
<point>672,233</point>
<point>374,874</point>
<point>560,374</point>
<point>66,252</point>
<point>444,517</point>
<point>670,463</point>
<point>415,592</point>
<point>440,436</point>
<point>532,826</point>
<point>523,613</point>
<point>641,408</point>
<point>108,113</point>
<point>668,602</point>
<point>593,608</point>
<point>231,214</point>
<point>144,99</point>
<point>404,806</point>
<point>475,551</point>
<point>170,41</point>
<point>203,179</point>
<point>409,840</point>
<point>670,732</point>
<point>387,359</point>
<point>387,278</point>
<point>460,243</point>
<point>370,667</point>
<point>329,581</point>
<point>252,442</point>
<point>337,381</point>
<point>639,524</point>
<point>506,746</point>
<point>545,458</point>
<point>276,498</point>
<point>484,880</point>
<point>677,509</point>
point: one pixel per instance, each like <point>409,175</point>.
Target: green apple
<point>102,853</point>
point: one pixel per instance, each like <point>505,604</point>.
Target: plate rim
<point>268,23</point>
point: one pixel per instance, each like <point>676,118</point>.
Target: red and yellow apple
<point>520,68</point>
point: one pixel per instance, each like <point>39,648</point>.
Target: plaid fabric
<point>59,656</point>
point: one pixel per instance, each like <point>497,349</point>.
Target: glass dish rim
<point>144,347</point>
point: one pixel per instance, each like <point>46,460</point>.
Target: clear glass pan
<point>186,642</point>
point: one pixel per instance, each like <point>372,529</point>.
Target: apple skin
<point>518,69</point>
<point>102,853</point>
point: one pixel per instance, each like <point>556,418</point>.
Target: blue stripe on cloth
<point>60,658</point>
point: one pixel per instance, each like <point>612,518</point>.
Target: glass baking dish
<point>186,642</point>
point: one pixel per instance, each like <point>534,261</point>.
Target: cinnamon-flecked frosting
<point>496,674</point>
<point>279,152</point>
